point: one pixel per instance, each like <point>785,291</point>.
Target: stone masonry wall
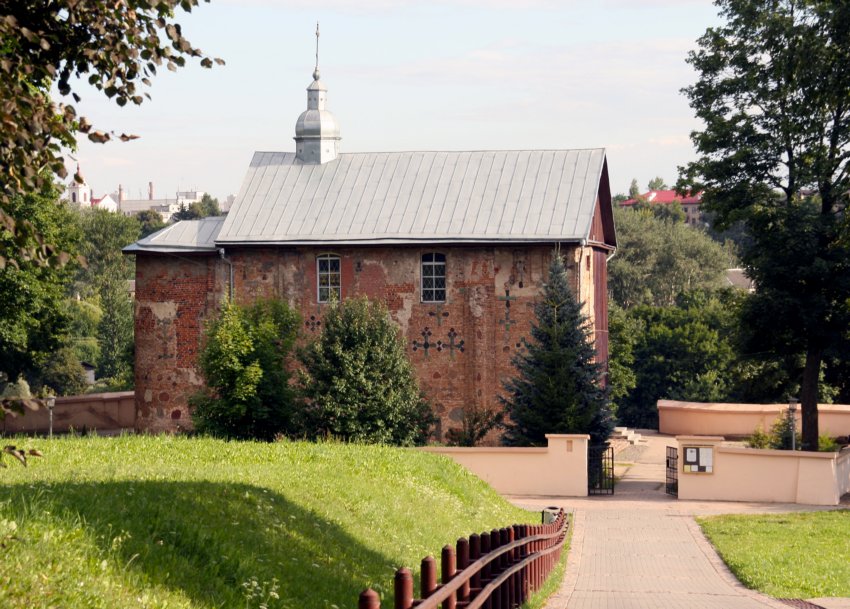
<point>174,298</point>
<point>461,349</point>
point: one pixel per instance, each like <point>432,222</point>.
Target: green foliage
<point>759,439</point>
<point>104,235</point>
<point>84,317</point>
<point>32,316</point>
<point>558,386</point>
<point>207,206</point>
<point>634,189</point>
<point>56,46</point>
<point>797,555</point>
<point>658,259</point>
<point>64,374</point>
<point>657,183</point>
<point>783,430</point>
<point>790,60</point>
<point>827,444</point>
<point>359,382</point>
<point>624,332</point>
<point>150,221</point>
<point>684,352</point>
<point>244,361</point>
<point>182,523</point>
<point>477,422</point>
<point>115,330</point>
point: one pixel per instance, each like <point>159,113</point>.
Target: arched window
<point>328,277</point>
<point>73,197</point>
<point>433,277</point>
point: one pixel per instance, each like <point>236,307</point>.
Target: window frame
<point>436,259</point>
<point>329,273</point>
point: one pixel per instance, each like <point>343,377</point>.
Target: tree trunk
<point>809,397</point>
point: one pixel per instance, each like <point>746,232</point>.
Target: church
<point>456,244</point>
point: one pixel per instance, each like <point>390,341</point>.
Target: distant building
<point>690,203</point>
<point>737,278</point>
<point>166,207</point>
<point>80,194</point>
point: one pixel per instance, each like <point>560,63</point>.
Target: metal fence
<point>495,570</point>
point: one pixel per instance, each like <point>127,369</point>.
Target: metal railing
<point>495,570</point>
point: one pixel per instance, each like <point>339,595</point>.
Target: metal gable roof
<point>185,236</point>
<point>407,197</point>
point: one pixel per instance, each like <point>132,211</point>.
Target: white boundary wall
<point>748,474</point>
<point>560,469</point>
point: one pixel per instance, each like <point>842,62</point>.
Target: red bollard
<point>403,589</point>
<point>428,572</point>
<point>462,563</point>
<point>447,565</point>
<point>475,554</point>
<point>369,599</point>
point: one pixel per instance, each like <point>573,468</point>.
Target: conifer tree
<point>558,388</point>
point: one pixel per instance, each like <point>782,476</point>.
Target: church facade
<point>456,244</point>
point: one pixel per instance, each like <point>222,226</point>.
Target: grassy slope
<point>175,522</point>
<point>804,555</point>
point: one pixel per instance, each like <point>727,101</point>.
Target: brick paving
<point>640,549</point>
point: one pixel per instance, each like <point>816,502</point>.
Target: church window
<point>328,277</point>
<point>433,277</point>
<point>73,197</point>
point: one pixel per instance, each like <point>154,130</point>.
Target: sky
<point>410,75</point>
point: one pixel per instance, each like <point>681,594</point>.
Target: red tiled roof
<point>665,197</point>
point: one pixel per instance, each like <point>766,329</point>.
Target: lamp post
<point>792,409</point>
<point>51,402</point>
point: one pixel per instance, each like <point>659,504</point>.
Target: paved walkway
<point>642,549</point>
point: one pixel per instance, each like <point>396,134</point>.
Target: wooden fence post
<point>369,599</point>
<point>462,563</point>
<point>428,575</point>
<point>447,565</point>
<point>403,589</point>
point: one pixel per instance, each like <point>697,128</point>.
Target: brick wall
<point>462,349</point>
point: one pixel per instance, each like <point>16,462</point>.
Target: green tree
<point>33,320</point>
<point>682,352</point>
<point>245,362</point>
<point>105,234</point>
<point>624,331</point>
<point>558,387</point>
<point>115,332</point>
<point>46,46</point>
<point>207,206</point>
<point>634,189</point>
<point>150,221</point>
<point>772,90</point>
<point>359,382</point>
<point>64,373</point>
<point>657,183</point>
<point>658,259</point>
<point>83,319</point>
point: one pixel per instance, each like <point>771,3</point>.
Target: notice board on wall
<point>698,460</point>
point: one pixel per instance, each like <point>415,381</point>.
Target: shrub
<point>759,439</point>
<point>827,444</point>
<point>477,422</point>
<point>358,381</point>
<point>244,361</point>
<point>64,373</point>
<point>782,431</point>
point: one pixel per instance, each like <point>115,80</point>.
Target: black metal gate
<point>600,470</point>
<point>672,486</point>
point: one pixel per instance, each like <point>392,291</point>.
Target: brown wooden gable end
<point>602,231</point>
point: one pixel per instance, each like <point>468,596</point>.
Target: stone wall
<point>462,348</point>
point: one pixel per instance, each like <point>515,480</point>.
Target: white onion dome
<point>316,124</point>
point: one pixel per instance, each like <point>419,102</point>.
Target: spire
<point>316,70</point>
<point>316,132</point>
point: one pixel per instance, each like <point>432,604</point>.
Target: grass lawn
<point>802,555</point>
<point>145,521</point>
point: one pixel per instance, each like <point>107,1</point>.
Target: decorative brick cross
<point>453,344</point>
<point>507,298</point>
<point>426,342</point>
<point>313,323</point>
<point>439,314</point>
